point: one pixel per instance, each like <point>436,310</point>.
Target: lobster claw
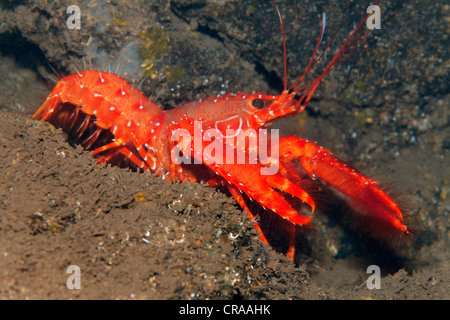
<point>373,209</point>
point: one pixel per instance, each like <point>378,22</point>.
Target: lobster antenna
<point>284,46</point>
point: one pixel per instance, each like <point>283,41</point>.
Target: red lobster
<point>107,115</point>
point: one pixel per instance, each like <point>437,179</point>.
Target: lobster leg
<point>362,193</point>
<point>148,161</point>
<point>240,200</point>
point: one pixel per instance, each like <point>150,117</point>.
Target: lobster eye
<point>258,103</point>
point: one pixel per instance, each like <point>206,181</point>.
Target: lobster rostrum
<point>112,118</point>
